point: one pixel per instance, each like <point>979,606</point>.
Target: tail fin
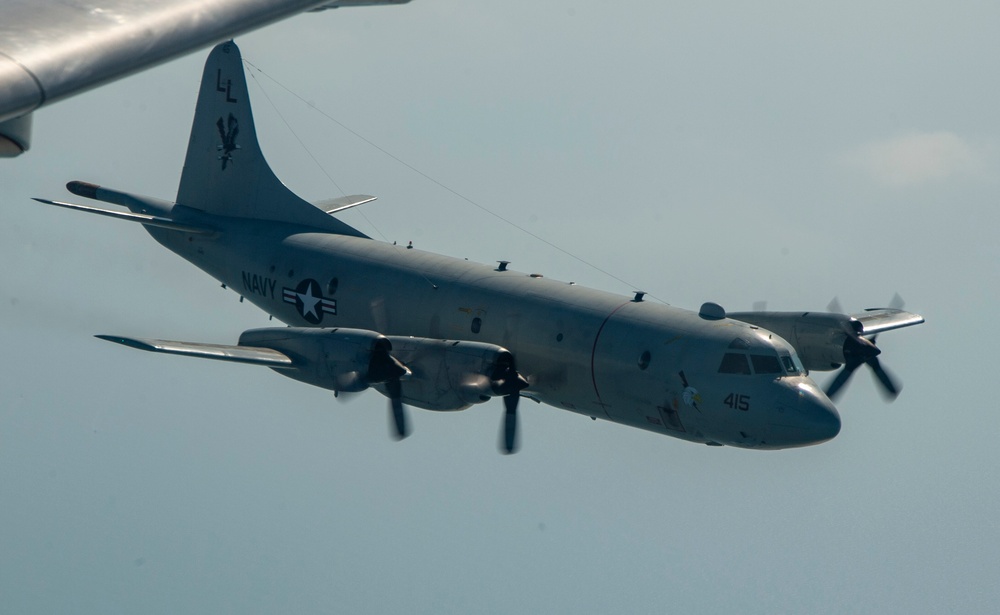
<point>225,172</point>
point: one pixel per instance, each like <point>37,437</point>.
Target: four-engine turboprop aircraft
<point>442,333</point>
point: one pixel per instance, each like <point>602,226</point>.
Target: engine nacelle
<point>15,136</point>
<point>348,360</point>
<point>452,375</point>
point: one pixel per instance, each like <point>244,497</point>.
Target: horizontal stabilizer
<point>332,206</point>
<point>145,219</point>
<point>886,319</point>
<point>219,352</point>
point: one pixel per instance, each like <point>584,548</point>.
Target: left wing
<point>52,49</point>
<point>885,319</point>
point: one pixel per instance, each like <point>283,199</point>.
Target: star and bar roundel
<point>309,301</point>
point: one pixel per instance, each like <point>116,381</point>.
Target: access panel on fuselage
<point>639,368</point>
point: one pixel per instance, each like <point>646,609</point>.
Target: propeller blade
<point>890,386</point>
<point>834,306</point>
<point>858,350</point>
<point>511,438</point>
<point>397,412</point>
<point>841,379</point>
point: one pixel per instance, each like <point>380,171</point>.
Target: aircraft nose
<point>810,418</point>
<point>821,416</point>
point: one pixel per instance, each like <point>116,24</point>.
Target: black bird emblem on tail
<point>227,132</point>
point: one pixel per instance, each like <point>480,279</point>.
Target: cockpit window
<point>765,364</point>
<point>792,367</point>
<point>734,363</point>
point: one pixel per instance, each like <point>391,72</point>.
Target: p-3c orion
<point>442,333</point>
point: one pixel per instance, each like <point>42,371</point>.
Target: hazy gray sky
<point>783,151</point>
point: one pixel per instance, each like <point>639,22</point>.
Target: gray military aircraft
<point>441,333</point>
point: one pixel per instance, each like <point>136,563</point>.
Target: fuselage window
<point>477,324</point>
<point>764,364</point>
<point>734,363</point>
<point>644,359</point>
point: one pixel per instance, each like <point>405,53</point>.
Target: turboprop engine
<point>452,375</point>
<point>427,373</point>
<point>347,360</point>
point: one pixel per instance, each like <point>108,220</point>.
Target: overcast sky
<point>775,151</point>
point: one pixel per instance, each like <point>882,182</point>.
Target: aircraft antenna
<point>441,185</point>
<point>316,160</point>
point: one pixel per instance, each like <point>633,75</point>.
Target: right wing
<point>220,352</point>
<point>52,49</point>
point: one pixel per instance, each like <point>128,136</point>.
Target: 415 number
<point>737,402</point>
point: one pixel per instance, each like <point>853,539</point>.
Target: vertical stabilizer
<point>225,172</point>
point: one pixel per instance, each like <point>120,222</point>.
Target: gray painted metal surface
<point>50,50</point>
<point>443,333</point>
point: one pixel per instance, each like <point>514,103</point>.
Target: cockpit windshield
<point>765,364</point>
<point>780,363</point>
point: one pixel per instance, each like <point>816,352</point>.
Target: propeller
<point>396,410</point>
<point>390,372</point>
<point>860,351</point>
<point>507,382</point>
<point>511,435</point>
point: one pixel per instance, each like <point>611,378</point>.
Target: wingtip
<point>124,341</point>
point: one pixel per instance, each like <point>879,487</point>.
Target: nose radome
<point>806,417</point>
<point>819,416</point>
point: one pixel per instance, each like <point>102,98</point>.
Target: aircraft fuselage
<point>639,363</point>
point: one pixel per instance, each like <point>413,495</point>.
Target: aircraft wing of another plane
<point>52,49</point>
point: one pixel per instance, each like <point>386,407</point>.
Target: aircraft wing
<point>885,319</point>
<point>219,352</point>
<point>52,49</point>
